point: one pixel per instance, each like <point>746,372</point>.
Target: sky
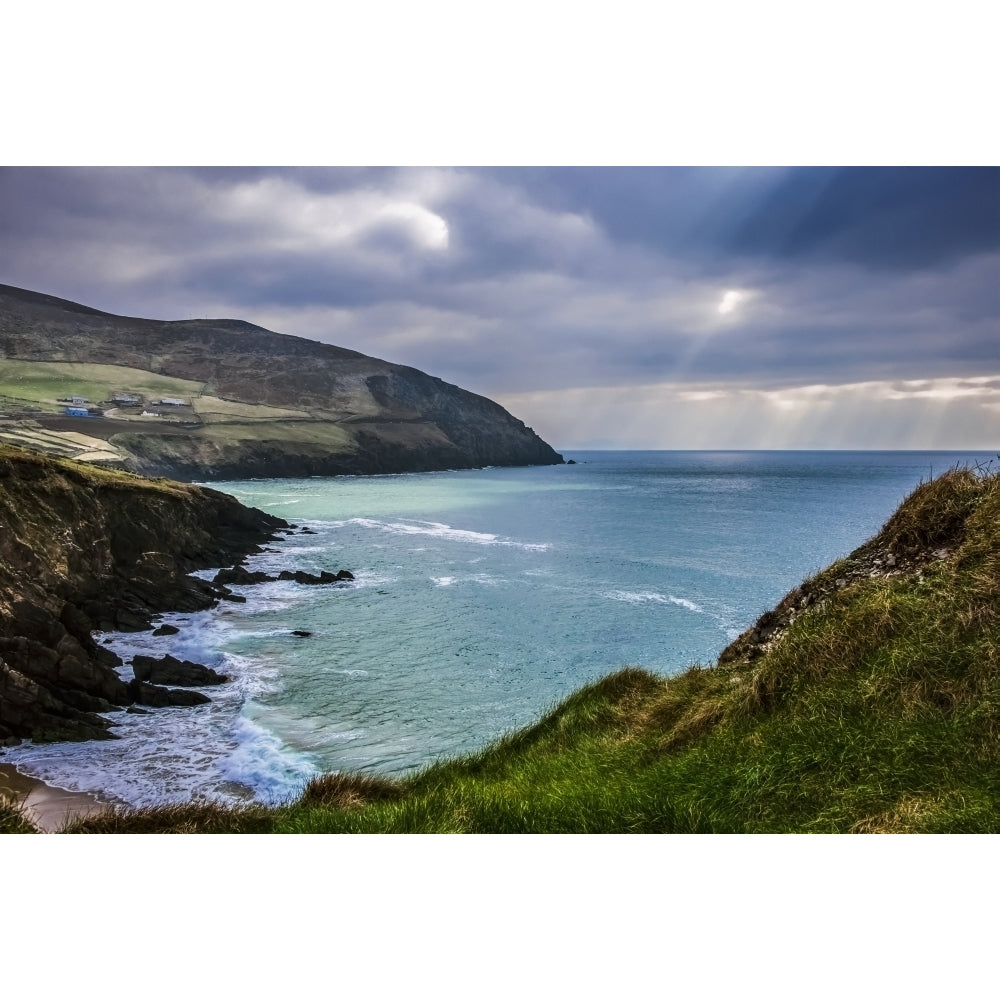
<point>824,305</point>
<point>607,307</point>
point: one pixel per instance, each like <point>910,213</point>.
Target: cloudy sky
<point>606,307</point>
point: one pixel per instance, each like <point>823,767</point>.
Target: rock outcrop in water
<point>83,549</point>
<point>224,399</point>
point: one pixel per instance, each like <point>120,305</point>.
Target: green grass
<point>225,423</point>
<point>44,382</point>
<point>12,819</point>
<point>212,409</point>
<point>877,710</point>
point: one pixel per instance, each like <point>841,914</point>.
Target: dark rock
<point>169,670</point>
<point>161,697</point>
<point>106,657</point>
<point>301,633</point>
<point>166,630</point>
<point>130,621</point>
<point>80,551</point>
<point>310,579</point>
<point>241,577</point>
<point>87,702</point>
<point>66,668</point>
<point>75,621</point>
<point>572,461</point>
<point>187,698</point>
<point>135,710</point>
<point>29,709</point>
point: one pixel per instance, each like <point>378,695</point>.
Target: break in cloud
<point>607,307</point>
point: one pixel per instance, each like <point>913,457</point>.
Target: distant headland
<point>224,399</point>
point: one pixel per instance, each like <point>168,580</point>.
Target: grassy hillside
<point>33,393</point>
<point>44,382</point>
<point>868,701</point>
<point>242,401</point>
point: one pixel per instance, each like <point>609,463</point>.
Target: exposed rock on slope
<point>84,549</point>
<point>926,530</point>
<point>255,403</point>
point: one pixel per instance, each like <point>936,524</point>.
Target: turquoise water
<point>482,598</point>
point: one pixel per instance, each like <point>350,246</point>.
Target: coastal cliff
<point>867,701</point>
<point>224,399</point>
<point>83,549</point>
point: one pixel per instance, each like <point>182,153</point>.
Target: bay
<point>481,599</point>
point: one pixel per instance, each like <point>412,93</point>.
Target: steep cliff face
<point>84,549</point>
<point>257,403</point>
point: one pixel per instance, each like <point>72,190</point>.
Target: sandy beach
<point>48,807</point>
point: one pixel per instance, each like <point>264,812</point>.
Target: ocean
<point>481,599</point>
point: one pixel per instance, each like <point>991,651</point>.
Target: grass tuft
<point>349,791</point>
<point>13,818</point>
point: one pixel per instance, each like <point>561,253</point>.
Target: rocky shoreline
<point>83,550</point>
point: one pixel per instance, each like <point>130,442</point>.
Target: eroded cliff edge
<point>83,548</point>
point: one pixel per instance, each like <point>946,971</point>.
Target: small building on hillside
<point>172,401</point>
<point>79,400</point>
<point>125,398</point>
<point>77,411</point>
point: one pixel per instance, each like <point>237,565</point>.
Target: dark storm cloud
<point>894,217</point>
<point>882,216</point>
<point>514,279</point>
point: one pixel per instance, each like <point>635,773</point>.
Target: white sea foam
<point>484,579</point>
<point>261,762</point>
<point>263,598</point>
<point>652,597</point>
<point>205,752</point>
<point>437,529</point>
<point>369,578</point>
<point>685,603</point>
